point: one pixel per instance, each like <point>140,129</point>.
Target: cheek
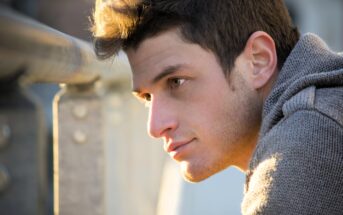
<point>215,121</point>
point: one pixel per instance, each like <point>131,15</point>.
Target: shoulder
<point>297,166</point>
<point>313,120</point>
<point>327,101</point>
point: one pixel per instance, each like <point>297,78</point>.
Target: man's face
<point>208,121</point>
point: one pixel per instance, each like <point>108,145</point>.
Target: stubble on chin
<point>199,171</point>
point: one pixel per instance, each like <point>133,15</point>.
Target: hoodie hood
<point>311,63</point>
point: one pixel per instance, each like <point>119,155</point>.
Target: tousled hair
<point>221,26</point>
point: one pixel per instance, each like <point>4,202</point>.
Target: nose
<point>162,118</point>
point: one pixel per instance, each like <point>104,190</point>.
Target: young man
<point>230,83</point>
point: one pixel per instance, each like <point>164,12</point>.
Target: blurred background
<point>133,176</point>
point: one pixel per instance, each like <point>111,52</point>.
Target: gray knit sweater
<point>297,167</point>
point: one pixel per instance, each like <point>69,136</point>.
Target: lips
<point>174,146</point>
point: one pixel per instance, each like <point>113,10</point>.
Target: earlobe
<point>261,50</point>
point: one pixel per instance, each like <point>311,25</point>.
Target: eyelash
<point>172,83</point>
<point>146,97</point>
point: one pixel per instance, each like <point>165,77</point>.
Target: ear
<point>261,52</point>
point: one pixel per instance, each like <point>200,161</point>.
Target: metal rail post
<point>23,154</point>
<point>78,152</point>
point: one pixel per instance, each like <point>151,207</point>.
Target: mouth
<point>177,149</point>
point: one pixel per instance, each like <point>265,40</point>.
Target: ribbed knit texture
<point>297,167</point>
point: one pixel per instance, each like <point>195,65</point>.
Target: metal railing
<point>96,125</point>
<point>48,55</point>
<point>92,91</point>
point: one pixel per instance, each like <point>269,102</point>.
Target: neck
<point>265,91</point>
<point>249,148</point>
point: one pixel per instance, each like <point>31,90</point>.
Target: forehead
<point>168,49</point>
<point>154,51</point>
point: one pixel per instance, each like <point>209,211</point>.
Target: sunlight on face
<point>206,123</point>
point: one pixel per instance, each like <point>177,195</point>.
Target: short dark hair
<point>222,26</point>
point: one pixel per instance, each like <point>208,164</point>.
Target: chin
<point>193,179</point>
<point>195,174</point>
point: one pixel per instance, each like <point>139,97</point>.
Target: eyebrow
<point>165,72</point>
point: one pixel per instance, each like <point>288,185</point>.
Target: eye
<point>146,97</point>
<point>174,83</point>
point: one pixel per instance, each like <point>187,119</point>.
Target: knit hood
<point>311,63</point>
<point>297,163</point>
